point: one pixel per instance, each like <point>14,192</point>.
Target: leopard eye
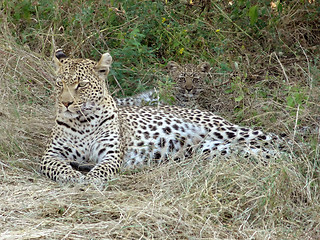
<point>59,83</point>
<point>196,79</point>
<point>82,84</point>
<point>182,79</point>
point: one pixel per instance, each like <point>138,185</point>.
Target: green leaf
<point>290,101</point>
<point>280,8</point>
<point>238,99</point>
<point>253,14</point>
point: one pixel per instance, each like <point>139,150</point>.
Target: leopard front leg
<point>108,157</point>
<point>59,170</point>
<point>105,169</point>
<point>57,161</point>
<point>103,156</point>
<point>63,172</point>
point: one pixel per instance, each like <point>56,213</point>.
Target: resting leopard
<point>90,130</point>
<point>189,84</point>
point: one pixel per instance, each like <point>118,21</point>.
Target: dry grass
<point>25,112</point>
<point>209,200</point>
<point>219,199</point>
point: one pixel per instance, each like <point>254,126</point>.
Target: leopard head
<point>188,78</point>
<point>80,84</point>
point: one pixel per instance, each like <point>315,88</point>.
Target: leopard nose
<point>67,104</point>
<point>189,88</point>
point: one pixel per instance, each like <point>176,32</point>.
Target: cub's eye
<point>195,79</point>
<point>182,79</point>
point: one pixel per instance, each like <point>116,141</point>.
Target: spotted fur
<point>92,134</point>
<point>147,98</point>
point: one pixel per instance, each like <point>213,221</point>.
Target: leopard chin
<point>189,95</point>
<point>68,114</point>
<point>75,112</point>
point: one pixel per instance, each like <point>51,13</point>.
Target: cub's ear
<point>103,66</point>
<point>204,67</point>
<point>171,66</point>
<point>57,59</point>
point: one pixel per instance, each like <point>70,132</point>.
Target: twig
<point>309,74</point>
<point>284,71</point>
<point>121,89</point>
<point>296,123</point>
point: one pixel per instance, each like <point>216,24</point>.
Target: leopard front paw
<point>91,180</point>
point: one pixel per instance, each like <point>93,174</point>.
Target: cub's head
<point>188,78</point>
<point>80,84</point>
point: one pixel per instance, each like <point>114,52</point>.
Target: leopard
<point>93,139</point>
<point>189,82</point>
<point>188,85</point>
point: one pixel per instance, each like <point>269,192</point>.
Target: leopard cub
<point>188,84</point>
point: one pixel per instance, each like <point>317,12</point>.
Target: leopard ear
<point>171,66</point>
<point>57,59</point>
<point>103,66</point>
<point>204,67</point>
<point>60,54</point>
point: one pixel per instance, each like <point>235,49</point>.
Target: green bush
<point>244,36</point>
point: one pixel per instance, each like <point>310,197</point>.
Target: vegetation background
<point>265,72</point>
